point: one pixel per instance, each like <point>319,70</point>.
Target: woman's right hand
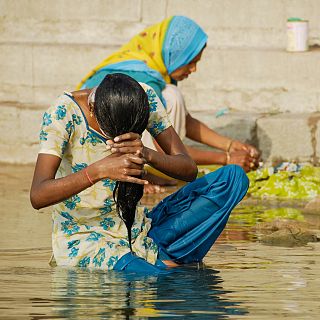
<point>124,167</point>
<point>244,160</point>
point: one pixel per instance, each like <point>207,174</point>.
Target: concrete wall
<point>48,46</point>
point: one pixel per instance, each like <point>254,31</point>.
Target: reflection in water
<point>193,292</point>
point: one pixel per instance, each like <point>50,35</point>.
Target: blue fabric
<point>187,223</point>
<point>132,263</point>
<point>183,41</point>
<point>135,69</point>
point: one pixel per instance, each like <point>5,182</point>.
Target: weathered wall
<point>48,46</point>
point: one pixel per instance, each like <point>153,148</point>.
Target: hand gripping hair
<point>121,106</point>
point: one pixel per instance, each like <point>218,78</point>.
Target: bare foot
<point>170,263</point>
<point>156,180</point>
<point>153,188</point>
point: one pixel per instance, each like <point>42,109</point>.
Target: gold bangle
<point>227,158</point>
<point>229,145</point>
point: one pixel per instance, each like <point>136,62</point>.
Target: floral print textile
<point>87,231</point>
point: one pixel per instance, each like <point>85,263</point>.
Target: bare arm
<point>207,156</point>
<point>235,152</point>
<point>176,161</point>
<point>46,190</point>
<point>198,131</point>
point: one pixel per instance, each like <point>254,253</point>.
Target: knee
<point>238,176</point>
<point>233,175</point>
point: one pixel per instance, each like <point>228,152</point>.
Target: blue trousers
<point>186,224</point>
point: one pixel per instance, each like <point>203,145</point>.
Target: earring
<point>91,110</point>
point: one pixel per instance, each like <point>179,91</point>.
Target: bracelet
<point>87,175</point>
<point>229,145</point>
<point>227,158</point>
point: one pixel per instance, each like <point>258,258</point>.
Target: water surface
<point>241,278</point>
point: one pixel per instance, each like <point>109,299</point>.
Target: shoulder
<point>61,108</point>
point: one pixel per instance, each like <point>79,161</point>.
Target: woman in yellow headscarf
<point>160,56</point>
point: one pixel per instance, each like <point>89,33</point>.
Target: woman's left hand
<point>126,143</point>
<point>240,146</point>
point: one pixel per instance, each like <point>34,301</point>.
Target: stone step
<point>229,23</point>
<point>284,137</point>
<point>252,80</point>
<point>279,136</point>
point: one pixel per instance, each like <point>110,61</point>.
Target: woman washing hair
<point>90,167</point>
<point>161,56</point>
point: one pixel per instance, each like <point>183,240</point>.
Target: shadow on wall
<point>265,144</point>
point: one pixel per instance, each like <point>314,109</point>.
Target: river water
<point>241,278</point>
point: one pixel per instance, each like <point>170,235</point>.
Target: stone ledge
<point>281,136</point>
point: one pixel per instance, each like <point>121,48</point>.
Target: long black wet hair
<point>121,105</point>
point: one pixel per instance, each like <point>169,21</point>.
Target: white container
<point>297,36</point>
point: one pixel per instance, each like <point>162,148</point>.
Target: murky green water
<point>241,278</point>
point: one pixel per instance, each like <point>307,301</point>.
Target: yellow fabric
<point>145,46</point>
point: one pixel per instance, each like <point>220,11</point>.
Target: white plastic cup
<point>297,36</point>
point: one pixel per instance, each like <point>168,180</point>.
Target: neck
<point>81,97</point>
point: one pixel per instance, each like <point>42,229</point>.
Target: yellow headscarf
<point>145,46</point>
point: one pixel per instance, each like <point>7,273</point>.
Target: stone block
<point>19,142</point>
<point>314,123</point>
<point>255,81</point>
<point>81,10</point>
<point>71,32</point>
<point>231,14</point>
<point>286,137</point>
<point>37,74</point>
<point>153,11</point>
<point>16,64</point>
<point>63,64</point>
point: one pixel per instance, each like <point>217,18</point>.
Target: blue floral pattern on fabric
<point>73,243</point>
<point>99,257</point>
<point>74,252</point>
<point>64,146</point>
<point>112,261</point>
<point>66,215</point>
<point>107,206</point>
<point>69,227</point>
<point>152,100</point>
<point>91,138</point>
<point>149,244</point>
<point>46,120</point>
<point>71,203</point>
<point>124,243</point>
<point>43,135</point>
<point>110,244</point>
<point>78,166</point>
<point>135,232</point>
<point>61,112</point>
<point>94,236</point>
<point>69,127</point>
<point>84,262</point>
<point>76,119</point>
<point>107,223</point>
<point>111,184</point>
<point>156,128</point>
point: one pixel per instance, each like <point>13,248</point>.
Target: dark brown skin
<point>240,153</point>
<point>124,164</point>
